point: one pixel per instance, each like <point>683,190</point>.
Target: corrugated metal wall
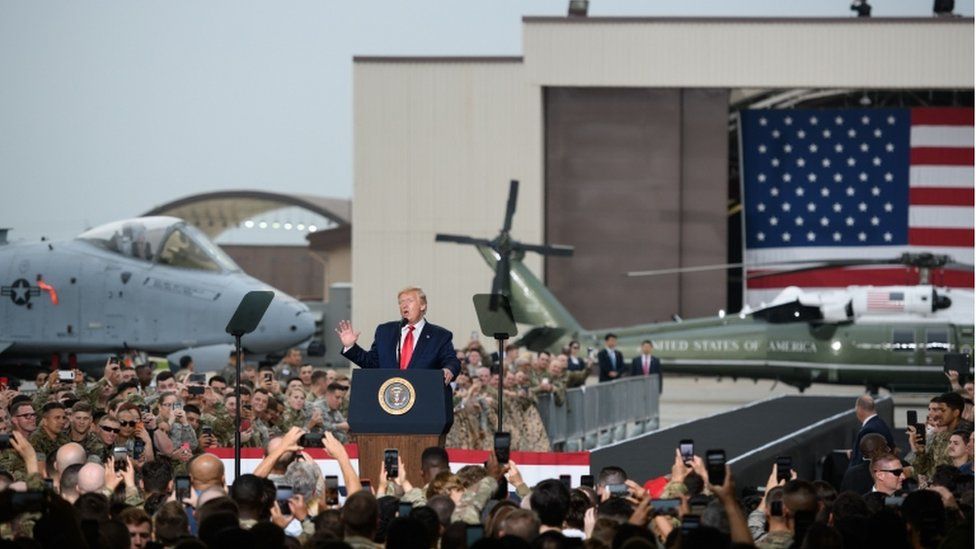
<point>844,53</point>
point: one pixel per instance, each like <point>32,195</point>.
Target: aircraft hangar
<point>618,130</point>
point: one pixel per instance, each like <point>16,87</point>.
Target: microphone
<point>403,322</point>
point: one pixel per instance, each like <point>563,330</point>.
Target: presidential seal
<point>396,396</point>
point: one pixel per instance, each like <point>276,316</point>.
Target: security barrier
<point>599,414</point>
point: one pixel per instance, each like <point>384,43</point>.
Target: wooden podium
<point>409,410</point>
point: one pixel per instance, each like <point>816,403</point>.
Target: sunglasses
<point>896,472</point>
<point>128,423</point>
<point>109,430</point>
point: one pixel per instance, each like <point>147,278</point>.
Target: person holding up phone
<point>174,436</point>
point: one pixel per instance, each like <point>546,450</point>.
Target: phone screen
<point>390,464</point>
<point>687,448</point>
<point>331,490</point>
<point>182,488</point>
<point>404,510</point>
<point>119,455</point>
<point>783,466</point>
<point>567,481</point>
<point>283,493</point>
<point>665,504</point>
<point>503,441</point>
<point>475,533</point>
<point>586,480</point>
<point>715,464</point>
<point>911,417</point>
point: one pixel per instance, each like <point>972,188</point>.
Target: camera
<point>311,440</point>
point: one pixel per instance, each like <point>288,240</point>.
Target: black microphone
<point>403,322</point>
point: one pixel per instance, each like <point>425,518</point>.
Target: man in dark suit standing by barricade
<point>611,360</point>
<point>411,342</point>
<point>647,364</point>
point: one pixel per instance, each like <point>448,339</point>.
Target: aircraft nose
<point>286,323</point>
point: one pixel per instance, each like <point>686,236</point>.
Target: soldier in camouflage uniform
<point>947,414</point>
<point>299,412</point>
<point>221,421</point>
<point>534,437</point>
<point>174,436</point>
<point>50,436</point>
<point>332,418</point>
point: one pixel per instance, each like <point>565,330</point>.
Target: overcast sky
<point>108,109</point>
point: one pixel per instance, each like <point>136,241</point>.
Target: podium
<point>409,410</point>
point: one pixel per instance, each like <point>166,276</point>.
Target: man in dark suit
<point>411,342</point>
<point>611,360</point>
<point>859,478</point>
<point>870,423</point>
<point>647,364</point>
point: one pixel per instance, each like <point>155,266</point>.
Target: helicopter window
<point>903,340</point>
<point>181,251</point>
<point>937,341</point>
<point>793,311</point>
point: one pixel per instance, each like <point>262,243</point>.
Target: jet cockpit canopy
<point>163,240</point>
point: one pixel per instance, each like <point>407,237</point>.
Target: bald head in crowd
<point>206,470</point>
<point>91,478</point>
<point>69,454</point>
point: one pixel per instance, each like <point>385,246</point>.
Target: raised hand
<point>347,335</point>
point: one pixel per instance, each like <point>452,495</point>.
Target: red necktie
<point>407,350</point>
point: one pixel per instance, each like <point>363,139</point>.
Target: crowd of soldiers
<point>166,414</point>
<point>179,414</point>
<point>526,377</point>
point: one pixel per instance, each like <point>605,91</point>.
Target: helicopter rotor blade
<point>510,207</point>
<point>546,249</point>
<point>500,283</point>
<point>458,239</point>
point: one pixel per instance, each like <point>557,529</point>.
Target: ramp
<point>807,428</point>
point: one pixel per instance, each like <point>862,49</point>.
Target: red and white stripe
<point>940,216</point>
<point>533,466</point>
<point>940,210</point>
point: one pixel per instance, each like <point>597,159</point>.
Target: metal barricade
<point>598,414</point>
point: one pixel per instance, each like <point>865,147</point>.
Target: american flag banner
<point>841,184</point>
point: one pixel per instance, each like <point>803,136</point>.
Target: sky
<point>108,109</point>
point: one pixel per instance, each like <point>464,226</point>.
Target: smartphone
<point>182,484</point>
<point>911,417</point>
<point>687,449</point>
<point>311,440</point>
<point>776,508</point>
<point>177,406</point>
<point>404,510</point>
<point>617,490</point>
<point>4,441</point>
<point>283,493</point>
<point>390,462</point>
<point>267,376</point>
<point>567,481</point>
<point>586,480</point>
<point>245,424</point>
<point>366,484</point>
<point>475,532</point>
<point>206,430</point>
<point>27,502</point>
<point>698,504</point>
<point>66,376</point>
<point>331,490</point>
<point>119,454</point>
<point>4,382</point>
<point>195,390</point>
<point>715,465</point>
<point>138,447</point>
<point>198,378</point>
<point>503,442</point>
<point>784,464</point>
<point>689,523</point>
<point>49,484</point>
<point>664,505</point>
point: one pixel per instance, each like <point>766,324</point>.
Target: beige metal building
<point>617,130</point>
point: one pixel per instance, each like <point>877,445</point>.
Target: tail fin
<point>532,302</point>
